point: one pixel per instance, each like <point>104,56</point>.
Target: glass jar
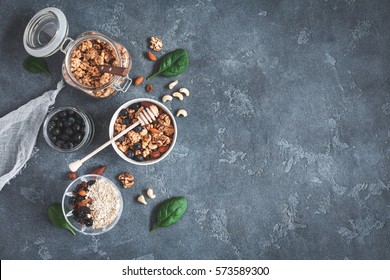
<point>86,125</point>
<point>46,33</point>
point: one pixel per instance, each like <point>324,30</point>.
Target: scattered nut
<point>181,112</point>
<point>166,98</point>
<point>150,194</point>
<point>72,175</point>
<point>138,81</point>
<point>156,44</point>
<point>178,95</point>
<point>149,88</point>
<point>173,84</point>
<point>151,56</point>
<point>141,199</point>
<point>126,179</point>
<point>185,91</point>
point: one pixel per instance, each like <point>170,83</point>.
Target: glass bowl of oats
<point>92,204</point>
<point>143,145</point>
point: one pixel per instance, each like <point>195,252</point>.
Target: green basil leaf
<point>170,211</point>
<point>57,217</point>
<point>173,64</point>
<point>35,65</point>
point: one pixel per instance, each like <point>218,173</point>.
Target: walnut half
<point>126,179</point>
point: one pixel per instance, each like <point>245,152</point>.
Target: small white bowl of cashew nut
<point>143,145</point>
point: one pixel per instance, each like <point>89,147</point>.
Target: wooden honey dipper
<point>147,116</point>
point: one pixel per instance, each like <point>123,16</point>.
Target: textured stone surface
<point>284,154</point>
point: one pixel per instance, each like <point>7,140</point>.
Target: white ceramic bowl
<point>159,105</point>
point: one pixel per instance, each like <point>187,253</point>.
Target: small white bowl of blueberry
<point>67,129</point>
<point>143,145</point>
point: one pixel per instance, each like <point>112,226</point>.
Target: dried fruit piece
<point>149,88</point>
<point>151,56</point>
<point>98,171</point>
<point>138,81</point>
<point>72,175</point>
<point>126,179</point>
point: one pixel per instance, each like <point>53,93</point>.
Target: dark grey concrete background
<point>284,154</point>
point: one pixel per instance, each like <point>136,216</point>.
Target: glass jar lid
<point>46,32</point>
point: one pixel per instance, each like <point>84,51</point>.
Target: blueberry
<point>54,118</point>
<point>88,222</point>
<point>138,158</point>
<point>64,137</point>
<point>130,154</point>
<point>137,146</point>
<point>138,128</point>
<point>80,198</point>
<point>126,121</point>
<point>72,200</point>
<point>135,106</point>
<point>70,112</point>
<point>68,131</point>
<point>59,143</point>
<point>51,125</point>
<point>67,123</point>
<point>123,112</point>
<point>53,138</point>
<point>76,127</point>
<point>91,182</point>
<point>71,120</point>
<point>75,213</point>
<point>70,145</point>
<point>60,124</point>
<point>78,137</point>
<point>56,132</point>
<point>82,129</point>
<point>63,114</point>
<point>120,139</point>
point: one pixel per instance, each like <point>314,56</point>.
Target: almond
<point>155,130</point>
<point>72,175</point>
<point>151,56</point>
<point>138,81</point>
<point>155,154</point>
<point>163,149</point>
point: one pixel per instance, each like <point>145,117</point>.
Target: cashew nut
<point>173,84</point>
<point>185,91</point>
<point>141,199</point>
<point>150,194</point>
<point>143,132</point>
<point>152,146</point>
<point>178,95</point>
<point>181,112</point>
<point>166,98</point>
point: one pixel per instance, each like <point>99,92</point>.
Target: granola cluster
<point>86,58</point>
<point>144,143</point>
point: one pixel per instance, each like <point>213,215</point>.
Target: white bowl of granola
<point>143,145</point>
